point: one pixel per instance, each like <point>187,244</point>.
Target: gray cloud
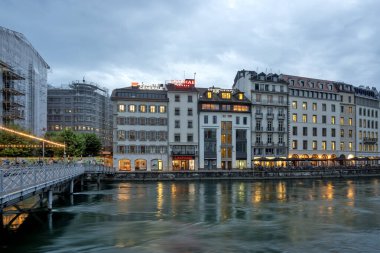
<point>116,42</point>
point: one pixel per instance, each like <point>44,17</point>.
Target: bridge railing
<point>20,179</point>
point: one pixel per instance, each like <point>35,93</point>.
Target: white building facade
<point>140,128</point>
<point>269,124</point>
<point>224,129</point>
<point>183,125</point>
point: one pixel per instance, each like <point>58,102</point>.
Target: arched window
<point>140,164</point>
<point>125,164</point>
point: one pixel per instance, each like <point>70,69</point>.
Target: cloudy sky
<point>115,42</point>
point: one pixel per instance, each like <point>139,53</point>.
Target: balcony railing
<point>369,140</point>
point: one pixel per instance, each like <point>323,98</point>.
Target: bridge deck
<point>19,183</point>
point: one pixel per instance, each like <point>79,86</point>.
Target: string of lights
<point>56,144</point>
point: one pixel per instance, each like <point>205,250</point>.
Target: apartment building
<point>224,129</point>
<point>269,126</point>
<point>183,124</point>
<point>367,121</point>
<point>140,128</point>
<point>314,111</point>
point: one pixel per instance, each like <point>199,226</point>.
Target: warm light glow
<point>32,137</point>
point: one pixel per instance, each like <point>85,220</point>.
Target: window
<point>350,146</point>
<point>315,132</point>
<point>333,120</point>
<point>152,108</point>
<point>189,112</point>
<point>294,130</point>
<point>132,135</point>
<point>131,108</point>
<point>314,119</point>
<point>304,131</point>
<point>190,124</point>
<point>226,95</point>
<point>342,109</point>
<point>189,137</point>
<point>245,120</point>
<point>304,105</point>
<point>324,107</point>
<point>176,111</point>
<point>205,119</point>
<point>323,119</point>
<point>162,109</point>
<point>333,145</point>
<point>333,108</point>
<point>315,146</point>
<point>209,94</point>
<point>350,133</point>
<point>121,108</point>
<point>341,121</point>
<point>177,137</point>
<point>294,104</point>
<point>214,119</point>
<point>177,124</point>
<point>350,109</point>
<point>333,132</point>
<point>324,131</point>
<point>177,98</point>
<point>237,120</point>
<point>304,145</point>
<point>314,106</point>
<point>323,145</point>
<point>304,118</point>
<point>294,144</point>
<point>360,111</point>
<point>258,97</point>
<point>350,121</point>
<point>342,146</point>
<point>240,96</point>
<point>190,99</point>
<point>294,117</point>
<point>142,108</point>
<point>341,133</point>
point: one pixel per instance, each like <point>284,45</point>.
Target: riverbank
<point>259,174</point>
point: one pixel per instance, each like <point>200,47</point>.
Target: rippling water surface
<point>213,216</point>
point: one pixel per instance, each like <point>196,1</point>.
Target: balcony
<point>258,115</point>
<point>270,115</point>
<point>269,102</point>
<point>270,129</point>
<point>259,129</point>
<point>281,116</point>
<point>368,140</point>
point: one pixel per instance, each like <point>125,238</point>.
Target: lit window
<point>342,146</point>
<point>142,108</point>
<point>333,145</point>
<point>226,95</point>
<point>294,104</point>
<point>241,96</point>
<point>323,145</point>
<point>341,121</point>
<point>333,120</point>
<point>152,108</point>
<point>294,117</point>
<point>350,146</point>
<point>162,109</point>
<point>240,108</point>
<point>294,144</point>
<point>209,94</point>
<point>314,119</point>
<point>132,108</point>
<point>304,118</point>
<point>304,105</point>
<point>314,106</point>
<point>350,121</point>
<point>121,108</point>
<point>314,145</point>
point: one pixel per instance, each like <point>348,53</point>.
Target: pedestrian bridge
<point>17,184</point>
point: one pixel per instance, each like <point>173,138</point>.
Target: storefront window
<point>140,164</point>
<point>125,164</point>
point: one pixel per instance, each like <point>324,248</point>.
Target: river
<point>209,216</point>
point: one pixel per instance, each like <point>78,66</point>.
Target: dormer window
<point>209,94</point>
<point>240,96</point>
<point>226,95</point>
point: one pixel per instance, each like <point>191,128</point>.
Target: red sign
<point>183,84</point>
<point>183,158</point>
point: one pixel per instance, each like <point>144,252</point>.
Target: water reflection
<point>219,216</point>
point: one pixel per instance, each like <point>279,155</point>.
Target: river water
<point>210,216</point>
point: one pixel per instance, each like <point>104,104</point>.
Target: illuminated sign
<point>151,87</point>
<point>135,84</point>
<point>218,90</point>
<point>182,84</point>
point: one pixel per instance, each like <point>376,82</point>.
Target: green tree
<point>75,143</point>
<point>92,145</point>
<point>7,138</point>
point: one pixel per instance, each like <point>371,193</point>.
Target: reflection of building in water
<point>14,221</point>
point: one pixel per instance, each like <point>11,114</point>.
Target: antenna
<point>194,75</point>
<point>84,79</point>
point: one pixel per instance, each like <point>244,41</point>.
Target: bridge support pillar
<point>50,200</point>
<point>98,179</point>
<point>41,199</point>
<point>71,187</point>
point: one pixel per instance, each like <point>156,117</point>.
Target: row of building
<point>265,119</point>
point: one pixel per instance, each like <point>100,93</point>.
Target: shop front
<point>183,163</point>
